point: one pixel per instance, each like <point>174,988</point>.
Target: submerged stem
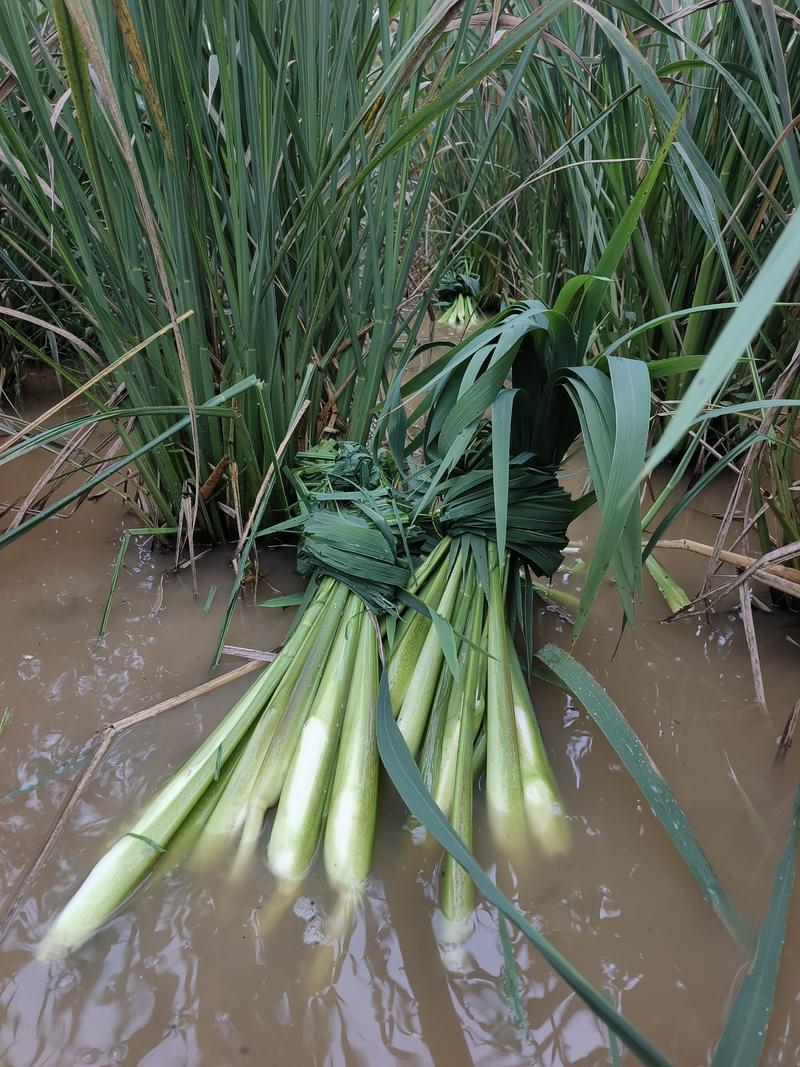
<point>118,873</point>
<point>230,812</point>
<point>504,796</point>
<point>543,808</point>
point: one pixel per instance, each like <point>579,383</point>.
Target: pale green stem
<point>350,827</point>
<point>279,753</point>
<point>434,735</point>
<point>418,698</point>
<point>230,812</point>
<point>185,837</point>
<point>479,755</point>
<point>295,831</point>
<point>408,647</point>
<point>504,798</point>
<point>458,891</point>
<point>428,566</point>
<point>675,597</point>
<point>556,594</point>
<point>463,694</point>
<point>543,808</point>
<point>125,864</point>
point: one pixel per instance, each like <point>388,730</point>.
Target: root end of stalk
<point>55,946</point>
<point>47,952</point>
<point>451,937</point>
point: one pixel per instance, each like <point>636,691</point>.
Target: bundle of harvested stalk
<point>437,562</point>
<point>458,292</point>
<point>302,740</point>
<point>455,720</point>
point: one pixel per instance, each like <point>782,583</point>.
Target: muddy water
<point>196,972</point>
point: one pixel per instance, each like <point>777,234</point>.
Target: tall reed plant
<point>257,164</point>
<point>572,150</point>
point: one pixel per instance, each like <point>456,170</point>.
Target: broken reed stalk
<point>738,559</point>
<point>787,737</point>
<point>745,598</point>
<point>781,385</point>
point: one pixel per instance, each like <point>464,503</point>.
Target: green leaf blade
<point>650,782</point>
<point>745,1030</point>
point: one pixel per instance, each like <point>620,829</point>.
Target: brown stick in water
<point>736,559</point>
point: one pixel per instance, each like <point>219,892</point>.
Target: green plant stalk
<point>429,591</point>
<point>118,873</point>
<point>432,746</point>
<point>544,811</point>
<point>278,756</point>
<point>479,755</point>
<point>504,797</point>
<point>555,594</point>
<point>444,782</point>
<point>464,694</point>
<point>350,826</point>
<point>428,565</point>
<point>694,338</point>
<point>408,649</point>
<point>418,699</point>
<point>298,819</point>
<point>674,595</point>
<point>230,812</point>
<point>482,667</point>
<point>458,889</point>
<point>186,836</point>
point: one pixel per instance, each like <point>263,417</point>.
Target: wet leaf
<point>291,600</point>
<point>649,780</point>
<point>742,1040</point>
<point>212,592</point>
<point>512,986</point>
<point>614,414</point>
<point>148,841</point>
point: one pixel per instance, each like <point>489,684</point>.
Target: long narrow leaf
<point>648,779</point>
<point>103,475</point>
<point>745,1031</point>
<point>739,330</point>
<point>501,442</point>
<point>614,416</point>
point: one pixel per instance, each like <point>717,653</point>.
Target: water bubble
<point>66,980</point>
<point>314,932</point>
<point>305,908</point>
